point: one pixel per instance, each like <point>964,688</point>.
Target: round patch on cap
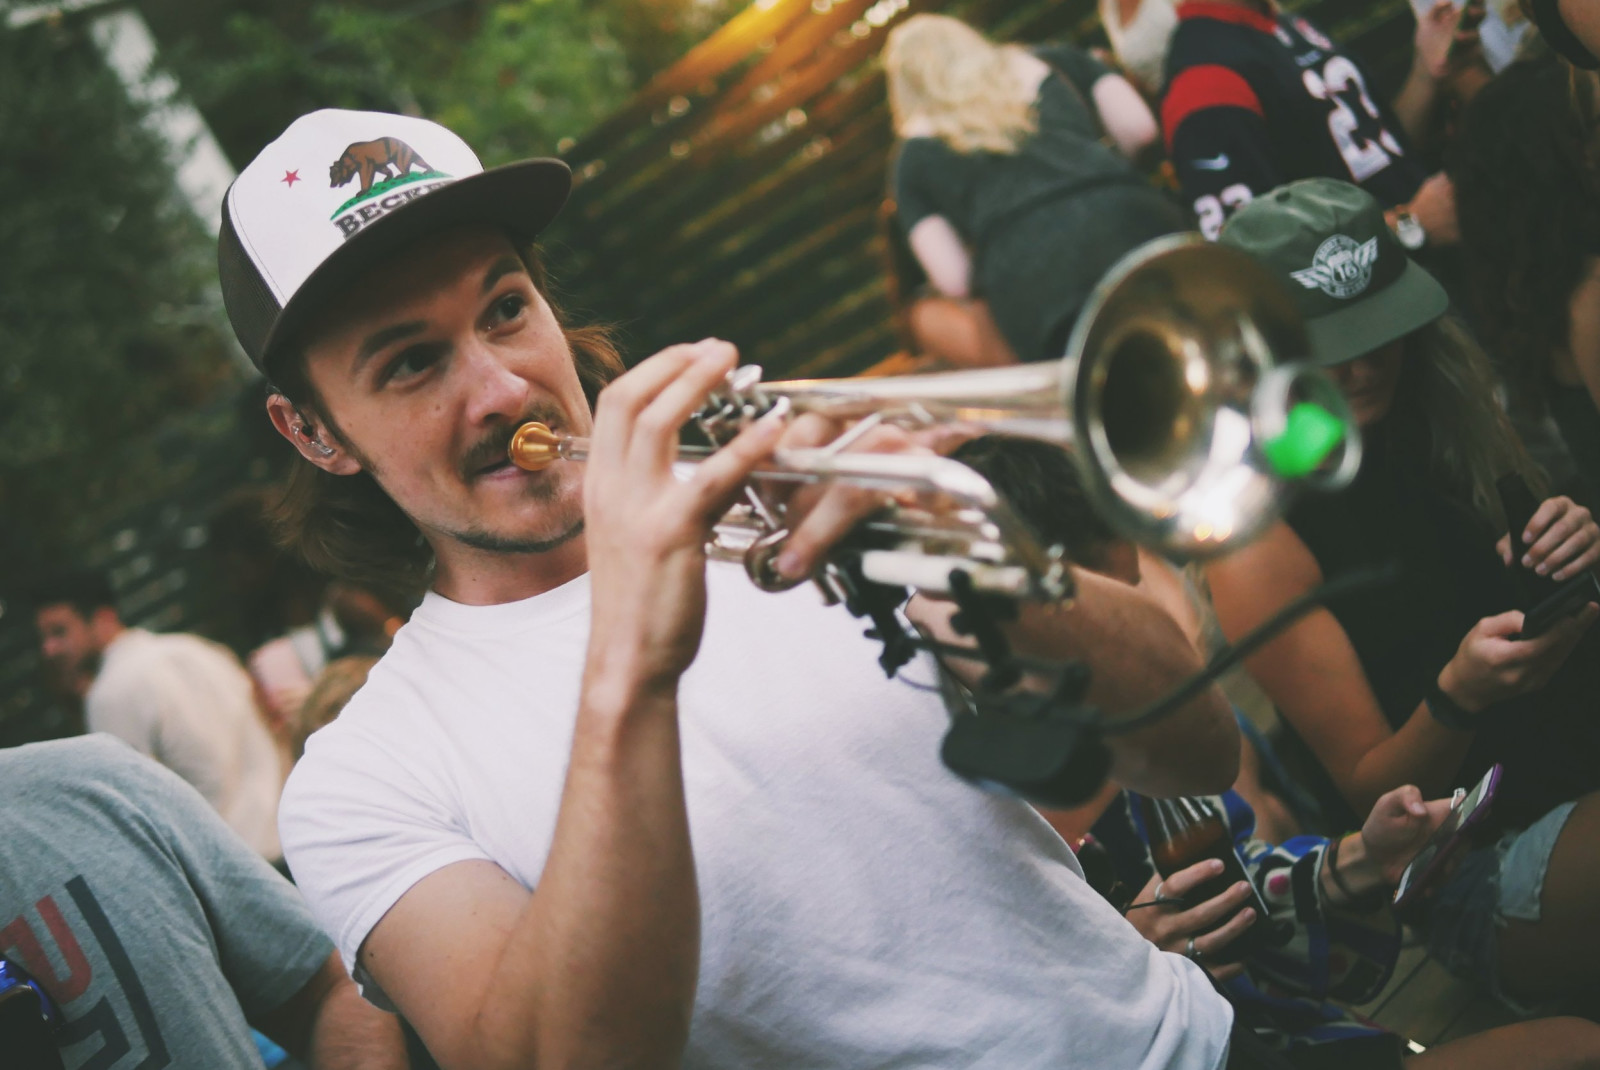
<point>1341,267</point>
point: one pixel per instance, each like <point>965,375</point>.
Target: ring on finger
<point>1159,897</point>
<point>1191,952</point>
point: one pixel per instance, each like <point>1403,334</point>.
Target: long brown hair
<point>347,526</point>
<point>1449,383</point>
<point>1528,199</point>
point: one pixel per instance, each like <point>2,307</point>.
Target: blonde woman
<point>1012,180</point>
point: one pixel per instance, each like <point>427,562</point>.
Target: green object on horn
<point>1309,436</point>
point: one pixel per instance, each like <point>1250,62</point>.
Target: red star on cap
<point>290,178</point>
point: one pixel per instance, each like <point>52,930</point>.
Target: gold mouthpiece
<point>534,447</point>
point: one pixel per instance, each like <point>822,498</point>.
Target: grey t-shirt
<point>154,927</point>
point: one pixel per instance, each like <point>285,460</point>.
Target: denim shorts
<point>1492,885</point>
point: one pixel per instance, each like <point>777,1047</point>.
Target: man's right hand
<point>646,529</point>
<point>1490,666</point>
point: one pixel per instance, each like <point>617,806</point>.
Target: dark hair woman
<point>1528,200</point>
<point>1426,681</point>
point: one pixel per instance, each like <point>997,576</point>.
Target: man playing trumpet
<point>498,829</point>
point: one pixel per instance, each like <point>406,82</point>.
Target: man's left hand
<point>820,514</point>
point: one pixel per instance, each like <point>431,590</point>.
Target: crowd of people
<point>596,800</point>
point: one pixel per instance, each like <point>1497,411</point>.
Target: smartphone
<point>1430,862</point>
<point>1572,596</point>
<point>1519,505</point>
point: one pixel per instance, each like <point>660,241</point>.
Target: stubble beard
<point>542,490</point>
<point>495,543</point>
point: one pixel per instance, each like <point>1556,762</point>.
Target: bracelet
<point>1330,860</point>
<point>1447,711</point>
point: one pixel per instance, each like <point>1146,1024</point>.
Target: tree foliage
<point>515,77</point>
<point>106,326</point>
<point>110,338</point>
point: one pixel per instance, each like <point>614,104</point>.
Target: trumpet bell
<point>1183,397</point>
<point>1185,365</point>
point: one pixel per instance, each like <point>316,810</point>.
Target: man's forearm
<point>601,967</point>
<point>330,1026</point>
<point>1137,654</point>
<point>352,1034</point>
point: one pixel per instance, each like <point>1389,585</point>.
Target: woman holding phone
<point>1335,893</point>
<point>1426,680</point>
<point>1329,931</point>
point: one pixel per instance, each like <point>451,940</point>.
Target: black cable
<point>1229,656</point>
<point>1224,660</point>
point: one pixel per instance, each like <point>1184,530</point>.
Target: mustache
<point>492,446</point>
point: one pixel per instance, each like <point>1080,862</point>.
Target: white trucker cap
<point>340,192</point>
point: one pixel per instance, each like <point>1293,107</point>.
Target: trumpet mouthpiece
<point>534,447</point>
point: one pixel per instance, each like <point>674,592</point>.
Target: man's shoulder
<point>1200,42</point>
<point>140,658</point>
<point>385,723</point>
<point>97,752</point>
<point>96,762</point>
<point>188,648</point>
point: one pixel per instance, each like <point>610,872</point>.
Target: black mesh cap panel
<point>251,307</point>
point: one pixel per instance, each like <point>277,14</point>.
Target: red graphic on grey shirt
<point>54,952</point>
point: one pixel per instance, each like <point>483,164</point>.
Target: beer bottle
<point>1184,831</point>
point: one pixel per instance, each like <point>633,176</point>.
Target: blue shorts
<point>1491,886</point>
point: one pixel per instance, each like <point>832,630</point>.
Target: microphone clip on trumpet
<point>1184,399</point>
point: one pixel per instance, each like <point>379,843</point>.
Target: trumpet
<point>1184,399</point>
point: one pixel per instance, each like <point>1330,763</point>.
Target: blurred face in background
<point>1369,382</point>
<point>71,644</point>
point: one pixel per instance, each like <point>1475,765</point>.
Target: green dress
<point>1045,223</point>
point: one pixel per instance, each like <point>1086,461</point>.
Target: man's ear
<point>310,437</point>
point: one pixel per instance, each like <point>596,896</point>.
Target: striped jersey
<point>1254,101</point>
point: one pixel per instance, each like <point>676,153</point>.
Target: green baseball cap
<point>1352,279</point>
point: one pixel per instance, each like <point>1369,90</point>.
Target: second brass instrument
<point>1183,398</point>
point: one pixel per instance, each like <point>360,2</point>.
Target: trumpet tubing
<point>1183,398</point>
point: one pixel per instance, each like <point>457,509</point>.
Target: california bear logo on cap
<point>1340,267</point>
<point>369,159</point>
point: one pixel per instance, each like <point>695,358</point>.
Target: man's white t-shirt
<point>190,705</point>
<point>861,905</point>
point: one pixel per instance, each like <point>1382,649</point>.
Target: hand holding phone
<point>1432,861</point>
<point>1568,599</point>
<point>1519,505</point>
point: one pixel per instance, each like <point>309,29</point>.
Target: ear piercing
<point>306,437</point>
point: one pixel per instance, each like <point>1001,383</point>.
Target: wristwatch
<point>1448,712</point>
<point>1408,230</point>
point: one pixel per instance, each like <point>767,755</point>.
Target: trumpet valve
<point>534,447</point>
